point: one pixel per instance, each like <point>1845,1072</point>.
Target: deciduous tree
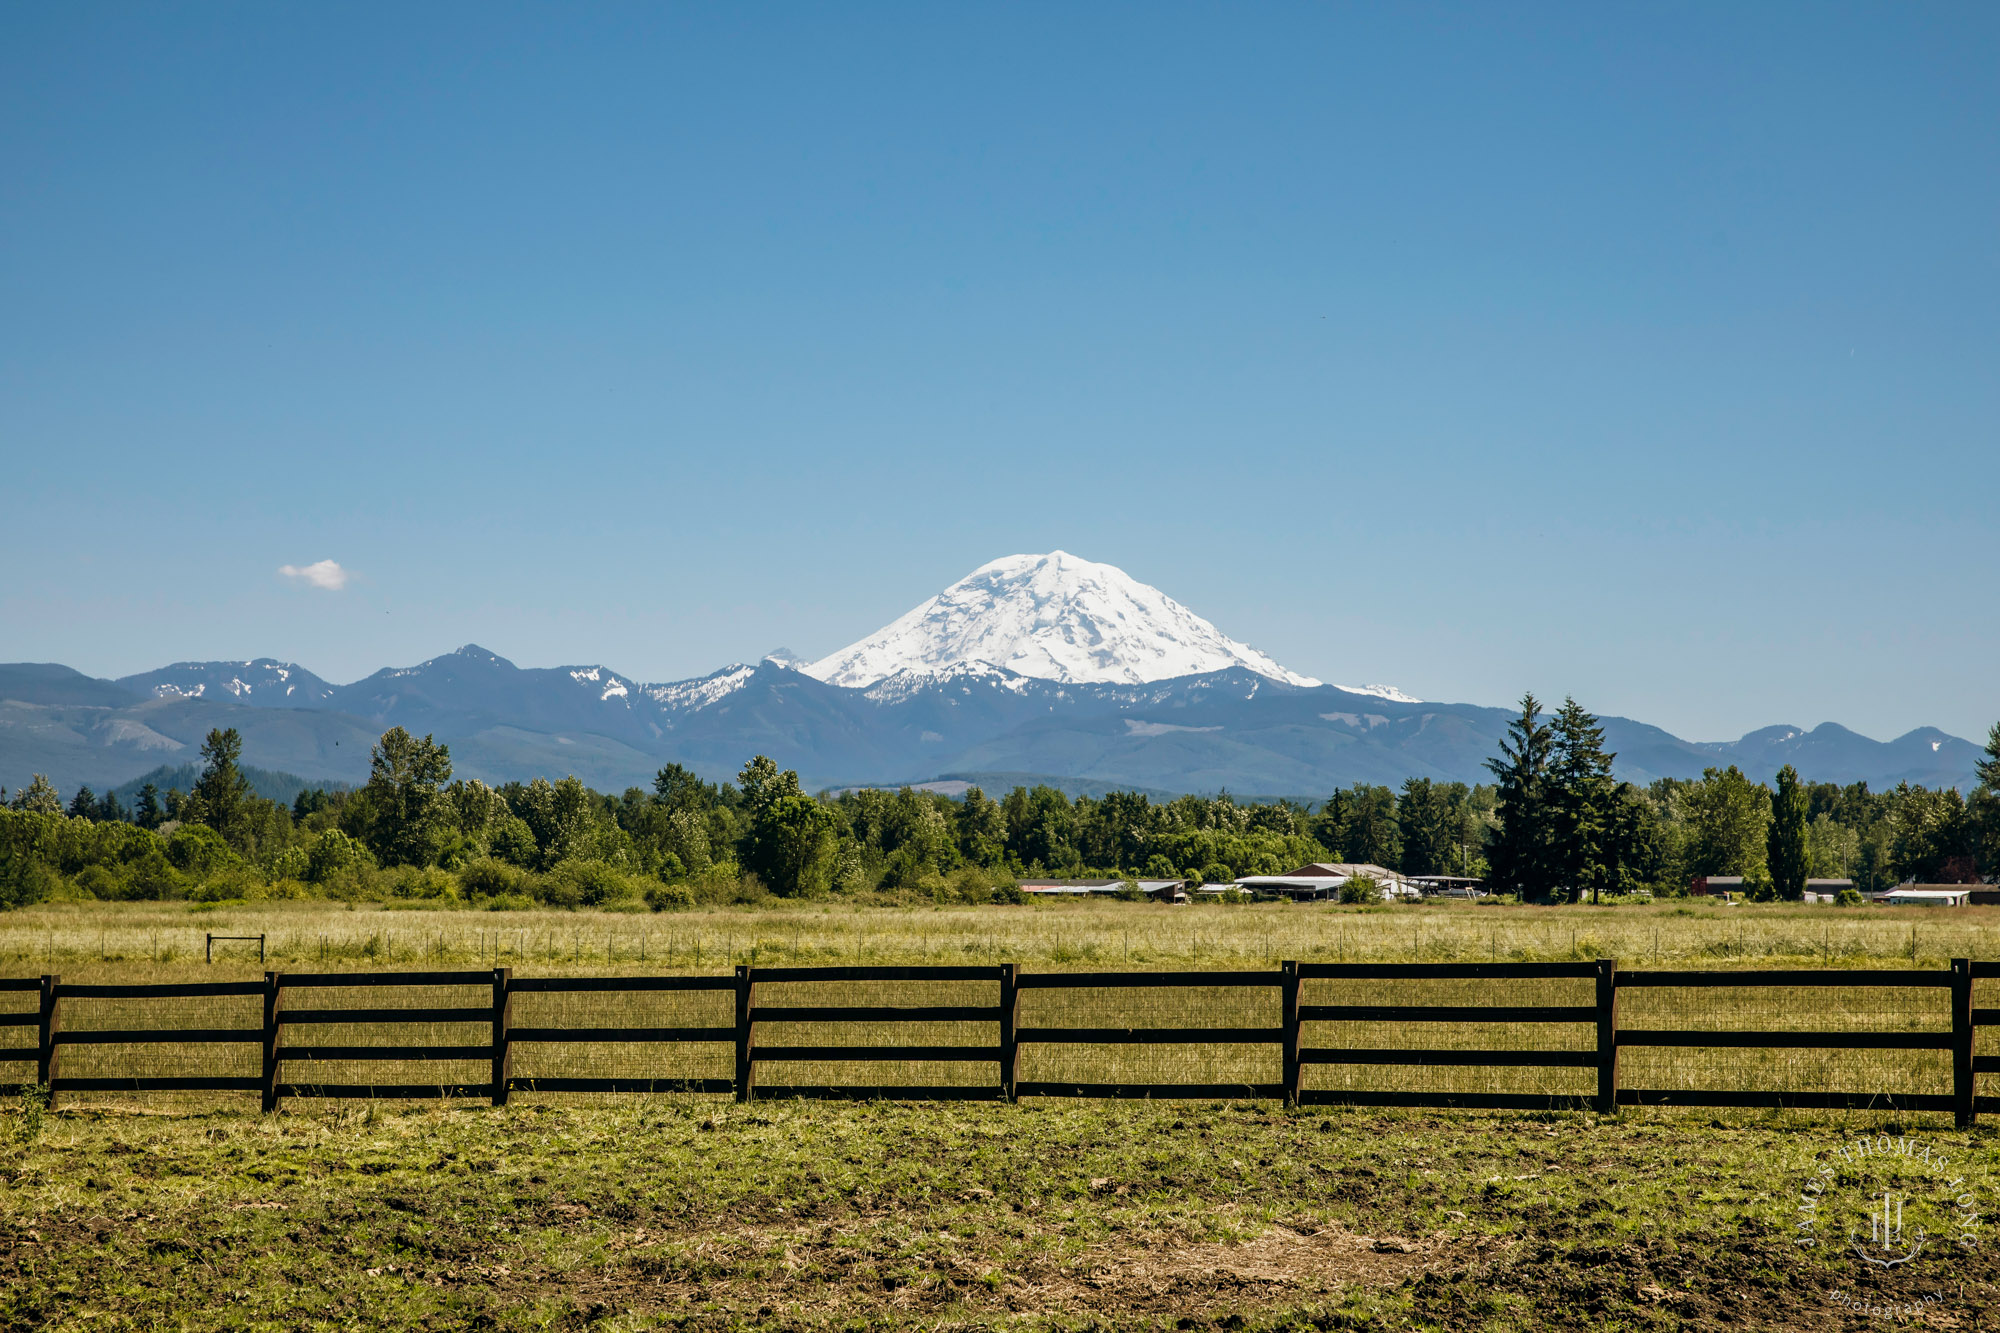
<point>408,818</point>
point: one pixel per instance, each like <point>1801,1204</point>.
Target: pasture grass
<point>139,937</point>
<point>687,1213</point>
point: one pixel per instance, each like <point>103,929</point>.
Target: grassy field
<point>68,936</point>
<point>163,1211</point>
<point>684,1214</point>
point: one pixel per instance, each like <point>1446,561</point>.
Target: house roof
<point>1343,870</point>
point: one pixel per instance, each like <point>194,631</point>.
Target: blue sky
<point>1644,353</point>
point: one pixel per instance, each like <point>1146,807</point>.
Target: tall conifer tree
<point>1519,851</point>
<point>1580,791</point>
<point>1785,841</point>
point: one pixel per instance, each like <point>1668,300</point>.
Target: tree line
<point>1553,824</point>
<point>1564,828</point>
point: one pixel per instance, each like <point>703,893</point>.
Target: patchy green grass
<point>687,1213</point>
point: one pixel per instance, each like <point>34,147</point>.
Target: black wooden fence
<point>286,1037</point>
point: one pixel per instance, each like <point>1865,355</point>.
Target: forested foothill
<point>1553,826</point>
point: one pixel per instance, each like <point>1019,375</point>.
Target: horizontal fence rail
<point>972,1032</point>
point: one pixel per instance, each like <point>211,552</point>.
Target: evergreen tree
<point>1928,830</point>
<point>310,801</point>
<point>1519,850</point>
<point>1430,826</point>
<point>1785,843</point>
<point>1330,826</point>
<point>1635,848</point>
<point>1985,808</point>
<point>150,813</point>
<point>39,797</point>
<point>1579,803</point>
<point>221,794</point>
<point>83,805</point>
<point>982,829</point>
<point>1372,837</point>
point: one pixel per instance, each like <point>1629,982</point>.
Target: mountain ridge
<point>1230,729</point>
<point>1100,680</point>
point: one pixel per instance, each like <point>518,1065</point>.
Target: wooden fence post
<point>46,1059</point>
<point>274,996</point>
<point>1607,1036</point>
<point>742,1033</point>
<point>1963,1082</point>
<point>1010,1017</point>
<point>1292,1026</point>
<point>503,1041</point>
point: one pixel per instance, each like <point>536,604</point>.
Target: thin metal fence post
<point>47,1058</point>
<point>274,996</point>
<point>503,1041</point>
<point>1291,1003</point>
<point>1010,998</point>
<point>1607,1036</point>
<point>1963,1081</point>
<point>742,1033</point>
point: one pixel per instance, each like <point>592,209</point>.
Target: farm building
<point>1321,881</point>
<point>1927,895</point>
<point>1160,890</point>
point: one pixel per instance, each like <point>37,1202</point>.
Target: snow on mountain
<point>958,676</point>
<point>597,678</point>
<point>1052,617</point>
<point>692,695</point>
<point>1388,692</point>
<point>259,681</point>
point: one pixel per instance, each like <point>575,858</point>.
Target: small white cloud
<point>325,574</point>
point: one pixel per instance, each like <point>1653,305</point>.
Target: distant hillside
<point>283,788</point>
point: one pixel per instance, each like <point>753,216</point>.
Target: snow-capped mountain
<point>1051,617</point>
<point>1033,668</point>
<point>261,682</point>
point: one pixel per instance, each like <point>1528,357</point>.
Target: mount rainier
<point>1031,668</point>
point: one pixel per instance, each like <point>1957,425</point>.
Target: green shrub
<point>587,883</point>
<point>333,854</point>
<point>292,863</point>
<point>99,882</point>
<point>969,884</point>
<point>669,897</point>
<point>512,840</point>
<point>423,884</point>
<point>1360,889</point>
<point>1758,886</point>
<point>1848,898</point>
<point>490,877</point>
<point>197,849</point>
